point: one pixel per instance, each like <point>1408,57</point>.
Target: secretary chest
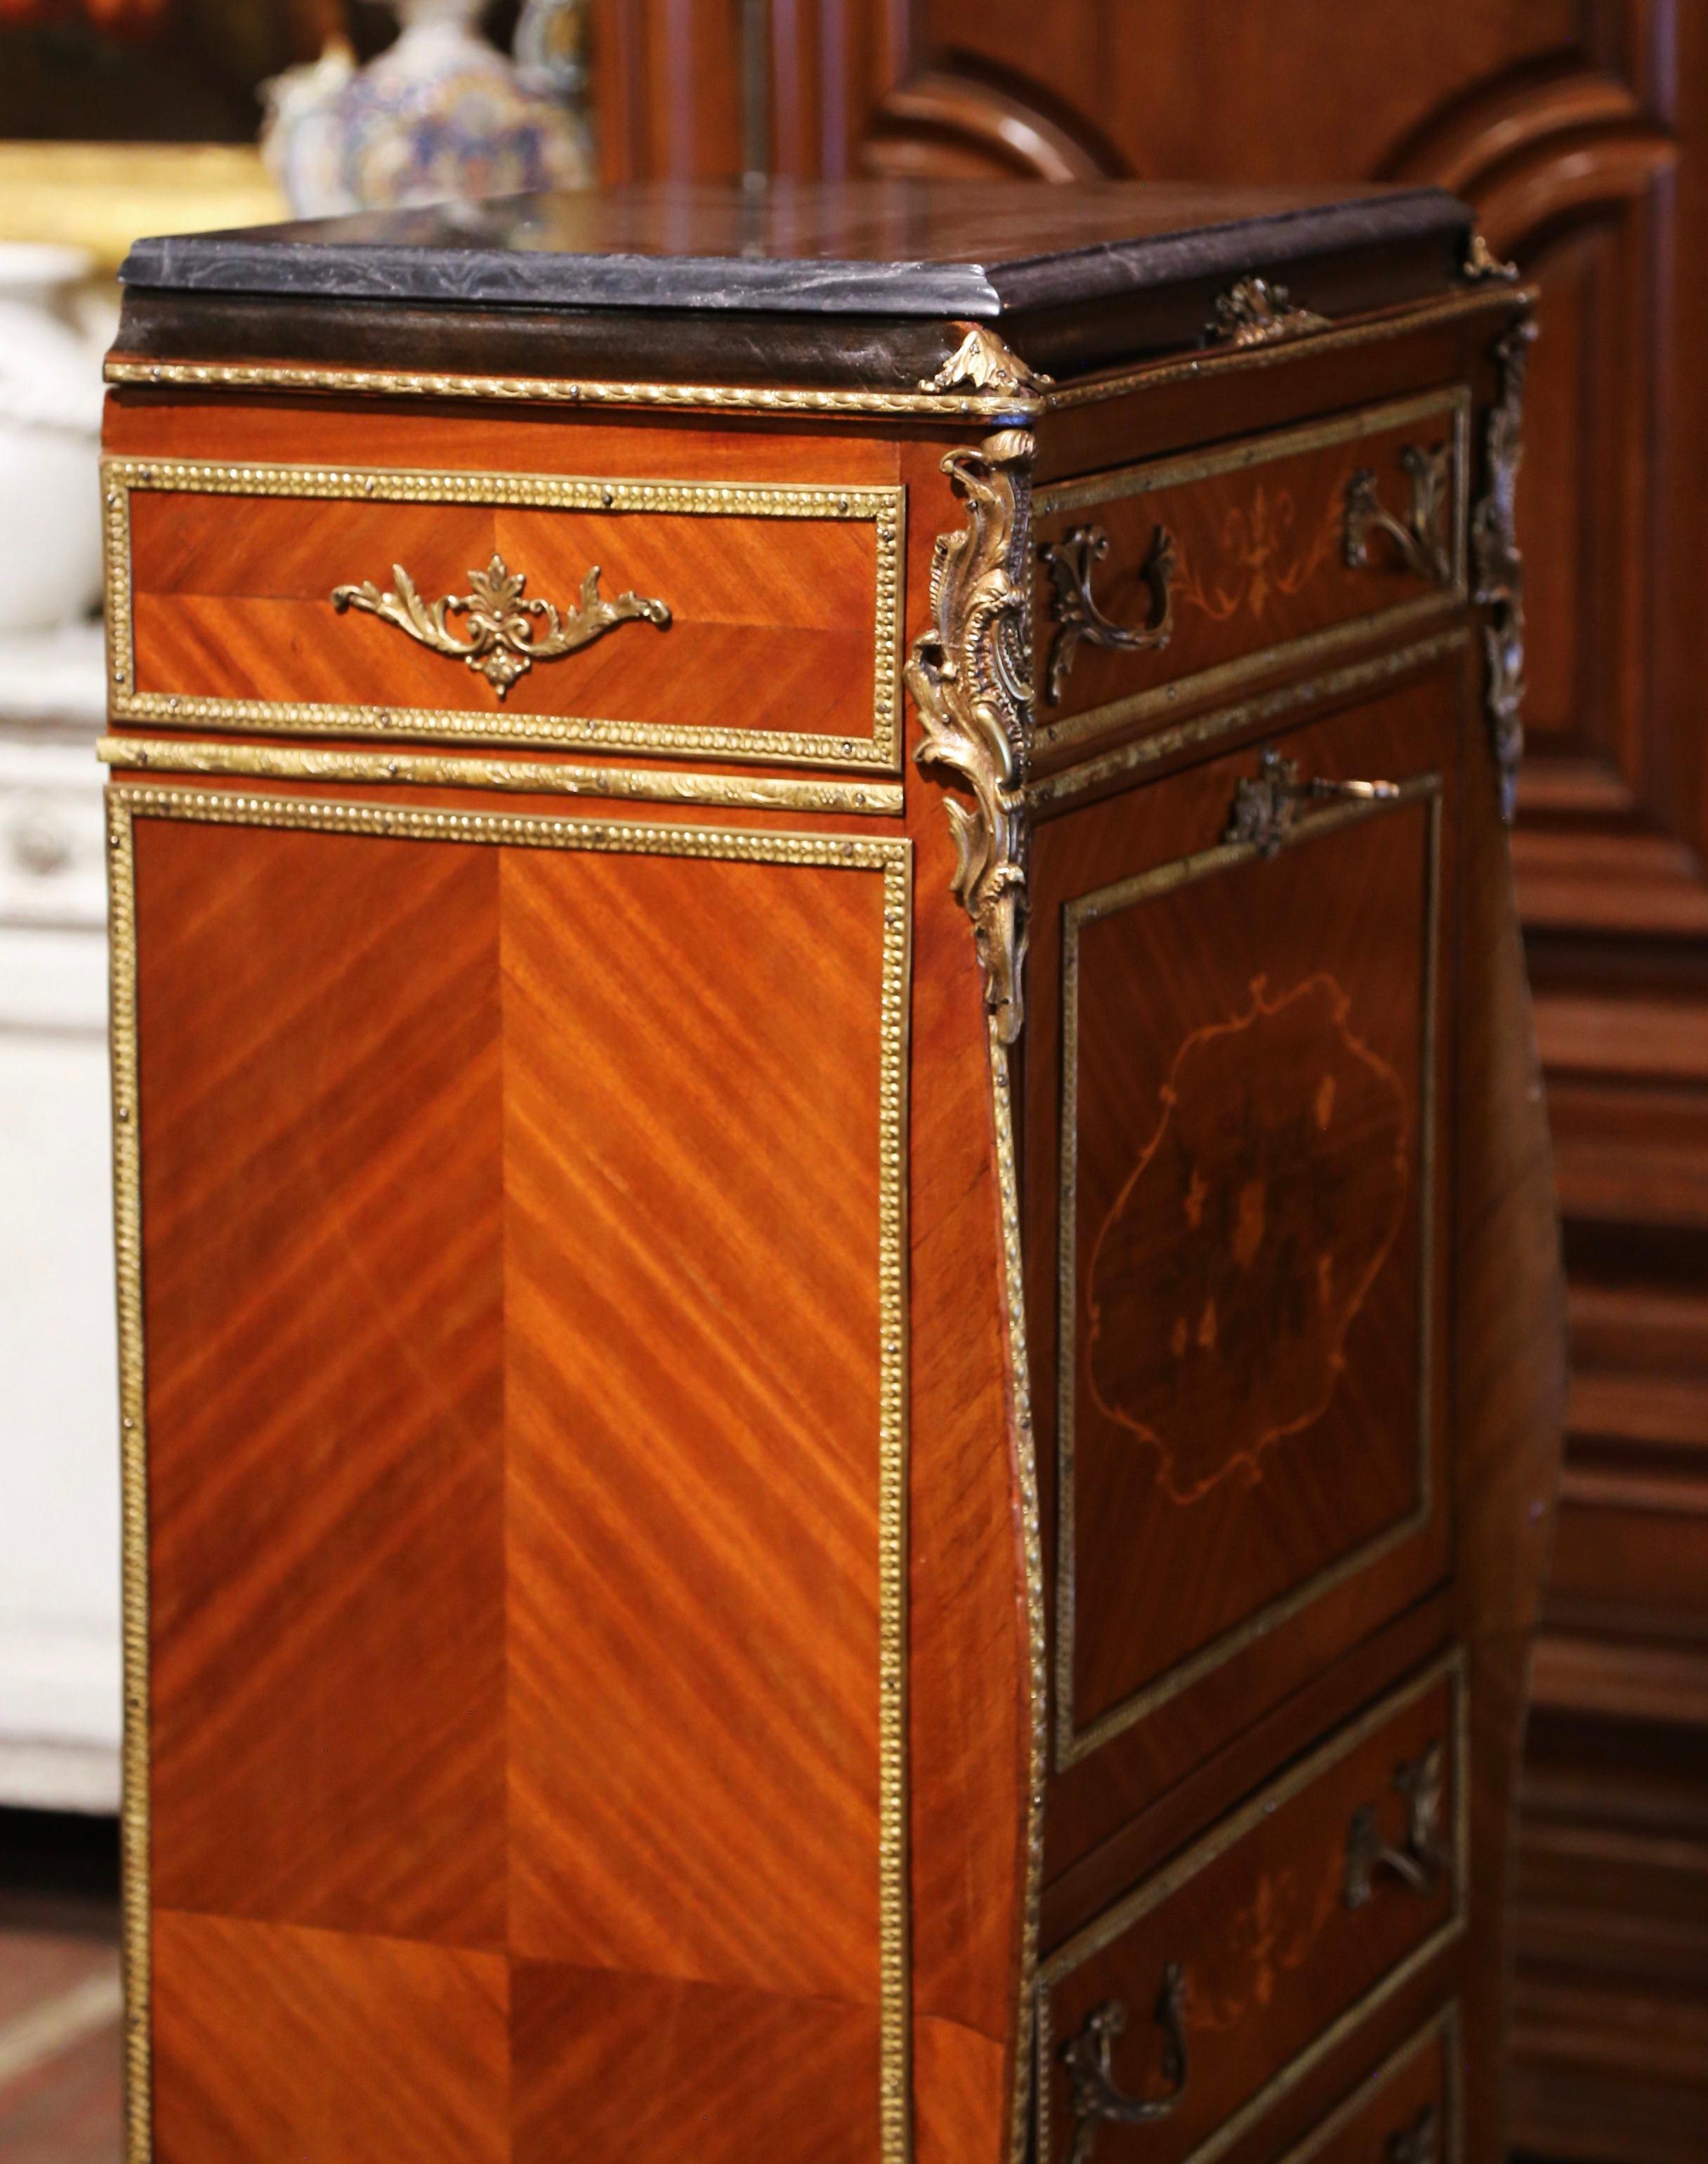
<point>838,1293</point>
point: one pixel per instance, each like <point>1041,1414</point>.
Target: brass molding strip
<point>1114,484</point>
<point>1055,791</point>
<point>1443,2030</point>
<point>568,390</point>
<point>1115,1922</point>
<point>136,1904</point>
<point>1072,1743</point>
<point>1032,1554</point>
<point>1122,482</point>
<point>527,777</point>
<point>892,858</point>
<point>1337,339</point>
<point>885,508</point>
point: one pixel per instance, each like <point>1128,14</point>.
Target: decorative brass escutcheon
<point>1257,312</point>
<point>1425,1859</point>
<point>1261,815</point>
<point>504,632</point>
<point>1419,539</point>
<point>1096,2098</point>
<point>1071,563</point>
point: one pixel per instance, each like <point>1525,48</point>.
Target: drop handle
<point>1419,2143</point>
<point>1423,1860</point>
<point>1097,2098</point>
<point>1071,562</point>
<point>1261,815</point>
<point>1418,540</point>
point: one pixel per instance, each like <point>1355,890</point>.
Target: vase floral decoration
<point>440,116</point>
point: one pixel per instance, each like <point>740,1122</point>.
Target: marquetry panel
<point>521,1296</point>
<point>1270,1936</point>
<point>1246,1337</point>
<point>1186,578</point>
<point>738,621</point>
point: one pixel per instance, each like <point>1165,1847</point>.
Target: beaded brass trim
<point>884,507</point>
<point>1073,1743</point>
<point>1115,1922</point>
<point>564,391</point>
<point>892,859</point>
<point>1032,1546</point>
<point>136,1907</point>
<point>523,777</point>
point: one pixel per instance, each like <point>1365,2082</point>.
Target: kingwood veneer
<point>808,1480</point>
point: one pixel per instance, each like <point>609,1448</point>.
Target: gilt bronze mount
<point>1098,2099</point>
<point>1071,563</point>
<point>506,632</point>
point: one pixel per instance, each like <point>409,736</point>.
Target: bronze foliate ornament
<point>970,676</point>
<point>983,361</point>
<point>504,633</point>
<point>1499,565</point>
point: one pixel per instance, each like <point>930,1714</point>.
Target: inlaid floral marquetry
<point>1180,580</point>
<point>1262,1203</point>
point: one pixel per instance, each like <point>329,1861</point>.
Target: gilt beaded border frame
<point>884,508</point>
<point>893,860</point>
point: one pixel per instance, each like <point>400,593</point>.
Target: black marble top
<point>877,248</point>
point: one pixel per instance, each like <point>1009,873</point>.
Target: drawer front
<point>1161,584</point>
<point>1248,1413</point>
<point>1170,2026</point>
<point>716,620</point>
<point>1408,2112</point>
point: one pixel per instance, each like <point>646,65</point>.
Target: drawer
<point>1172,2025</point>
<point>1246,966</point>
<point>1408,2112</point>
<point>1162,584</point>
<point>719,621</point>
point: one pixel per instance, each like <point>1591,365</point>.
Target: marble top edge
<point>992,251</point>
<point>240,262</point>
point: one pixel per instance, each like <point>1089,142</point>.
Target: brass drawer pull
<point>1070,564</point>
<point>1418,539</point>
<point>505,634</point>
<point>1095,2098</point>
<point>1425,1859</point>
<point>1419,2143</point>
<point>1261,815</point>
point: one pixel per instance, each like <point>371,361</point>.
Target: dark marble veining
<point>882,248</point>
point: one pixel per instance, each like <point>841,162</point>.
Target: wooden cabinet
<point>1579,134</point>
<point>838,1286</point>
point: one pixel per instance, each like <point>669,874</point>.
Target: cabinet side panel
<point>693,1058</point>
<point>319,1080</point>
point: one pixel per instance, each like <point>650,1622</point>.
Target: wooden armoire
<point>1578,128</point>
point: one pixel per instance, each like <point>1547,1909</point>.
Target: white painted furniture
<point>59,1472</point>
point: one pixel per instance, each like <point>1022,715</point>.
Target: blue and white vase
<point>440,116</point>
